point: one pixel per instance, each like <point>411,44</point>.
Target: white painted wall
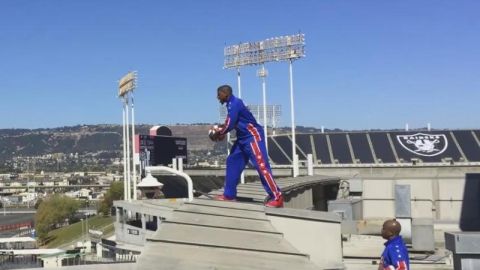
<point>427,200</point>
<point>438,189</point>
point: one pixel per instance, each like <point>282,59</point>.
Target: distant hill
<point>86,139</point>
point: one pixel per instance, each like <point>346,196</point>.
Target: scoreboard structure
<point>159,150</point>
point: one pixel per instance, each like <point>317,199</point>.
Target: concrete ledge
<point>465,248</point>
<point>319,216</point>
<point>315,233</point>
<point>463,242</point>
<point>105,266</point>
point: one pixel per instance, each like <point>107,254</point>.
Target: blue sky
<point>369,64</point>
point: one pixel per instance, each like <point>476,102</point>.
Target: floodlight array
<point>127,83</point>
<point>269,50</point>
<point>273,112</point>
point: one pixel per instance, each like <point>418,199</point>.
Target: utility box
<point>355,185</point>
<point>403,208</point>
<point>465,248</point>
<point>465,245</point>
<point>348,209</point>
<point>422,234</point>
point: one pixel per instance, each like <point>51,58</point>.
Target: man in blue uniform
<point>395,255</point>
<point>250,145</point>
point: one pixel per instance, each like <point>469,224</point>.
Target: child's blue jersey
<point>395,255</point>
<point>240,119</point>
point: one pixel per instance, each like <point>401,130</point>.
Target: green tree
<point>114,193</point>
<point>52,213</point>
<point>37,204</point>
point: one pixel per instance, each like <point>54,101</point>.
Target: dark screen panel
<point>160,150</point>
<point>276,154</point>
<point>361,149</point>
<point>303,142</point>
<point>382,147</point>
<point>477,132</point>
<point>470,215</point>
<point>468,144</point>
<point>340,148</point>
<point>285,143</point>
<point>452,149</point>
<point>321,148</point>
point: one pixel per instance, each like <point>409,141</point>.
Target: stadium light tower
<point>284,48</point>
<point>126,86</point>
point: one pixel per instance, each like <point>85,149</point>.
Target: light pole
<point>124,124</point>
<point>127,130</point>
<point>263,73</point>
<point>126,86</point>
<point>292,113</point>
<point>134,175</point>
<point>242,176</point>
<point>239,84</point>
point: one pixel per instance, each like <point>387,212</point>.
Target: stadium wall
<point>436,192</point>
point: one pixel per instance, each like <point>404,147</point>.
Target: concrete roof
<point>207,234</point>
<point>253,191</point>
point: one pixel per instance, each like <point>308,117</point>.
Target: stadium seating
<point>379,147</point>
<point>361,148</point>
<point>468,144</point>
<point>340,148</point>
<point>321,149</point>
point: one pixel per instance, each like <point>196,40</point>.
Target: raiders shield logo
<point>427,145</point>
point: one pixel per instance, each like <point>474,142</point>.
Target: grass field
<point>73,232</point>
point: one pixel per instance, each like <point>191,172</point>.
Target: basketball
<point>212,134</point>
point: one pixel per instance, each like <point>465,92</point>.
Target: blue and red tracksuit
<point>250,145</point>
<point>395,255</point>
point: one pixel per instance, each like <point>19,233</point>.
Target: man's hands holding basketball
<point>214,133</point>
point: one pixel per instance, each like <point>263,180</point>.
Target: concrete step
<point>249,191</point>
<point>222,211</point>
<point>185,257</point>
<point>235,205</point>
<point>225,238</point>
<point>240,194</point>
<point>235,223</point>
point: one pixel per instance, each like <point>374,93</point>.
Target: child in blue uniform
<point>250,145</point>
<point>395,255</point>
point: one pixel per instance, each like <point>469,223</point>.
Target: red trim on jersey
<point>401,265</point>
<point>253,130</point>
<point>262,167</point>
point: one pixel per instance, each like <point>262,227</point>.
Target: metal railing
<point>158,170</point>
